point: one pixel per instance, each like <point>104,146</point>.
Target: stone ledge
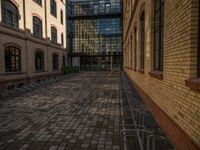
<point>156,74</point>
<point>193,83</point>
<point>141,71</point>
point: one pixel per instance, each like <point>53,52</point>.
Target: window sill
<point>193,83</point>
<point>156,74</point>
<point>55,16</point>
<point>39,71</point>
<point>10,27</point>
<point>134,69</point>
<point>56,70</point>
<point>13,73</point>
<point>141,71</point>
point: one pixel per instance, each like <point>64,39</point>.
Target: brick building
<point>32,40</point>
<point>162,59</point>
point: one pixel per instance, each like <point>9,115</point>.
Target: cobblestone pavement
<point>79,113</point>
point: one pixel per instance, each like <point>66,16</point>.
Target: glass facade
<point>95,34</point>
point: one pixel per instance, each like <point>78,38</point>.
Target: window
<point>198,55</point>
<point>62,39</point>
<point>39,60</point>
<point>38,1</point>
<point>131,56</point>
<point>142,41</point>
<point>135,48</point>
<point>12,59</point>
<point>55,62</point>
<point>158,34</point>
<point>10,14</point>
<point>37,27</point>
<point>61,17</point>
<point>53,8</point>
<point>108,8</point>
<point>53,35</point>
<point>64,61</point>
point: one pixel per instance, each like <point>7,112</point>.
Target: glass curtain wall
<point>95,33</point>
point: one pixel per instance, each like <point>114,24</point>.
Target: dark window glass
<point>10,14</point>
<point>64,61</point>
<point>39,60</point>
<point>38,1</point>
<point>53,35</point>
<point>198,57</point>
<point>135,48</point>
<point>12,59</point>
<point>61,17</point>
<point>142,40</point>
<point>53,8</point>
<point>158,34</point>
<point>55,61</point>
<point>37,27</point>
<point>62,39</point>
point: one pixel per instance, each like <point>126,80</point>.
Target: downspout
<point>46,37</point>
<point>26,44</point>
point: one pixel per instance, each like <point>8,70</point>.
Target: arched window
<point>53,35</point>
<point>55,62</point>
<point>158,34</point>
<point>39,60</point>
<point>12,59</point>
<point>53,8</point>
<point>37,27</point>
<point>142,40</point>
<point>10,14</point>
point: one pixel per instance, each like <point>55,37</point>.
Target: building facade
<point>95,34</point>
<point>32,40</point>
<point>162,59</point>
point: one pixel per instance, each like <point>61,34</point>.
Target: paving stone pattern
<point>80,113</point>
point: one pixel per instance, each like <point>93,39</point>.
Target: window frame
<point>158,58</point>
<point>40,66</point>
<point>11,58</point>
<point>198,49</point>
<point>37,23</point>
<point>64,60</point>
<point>8,8</point>
<point>61,17</point>
<point>135,48</point>
<point>62,39</point>
<point>54,35</point>
<point>53,8</point>
<point>55,65</point>
<point>142,40</point>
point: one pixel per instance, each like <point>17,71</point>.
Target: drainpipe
<point>26,50</point>
<point>46,37</point>
<point>24,14</point>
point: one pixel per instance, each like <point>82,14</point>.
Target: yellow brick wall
<point>171,94</point>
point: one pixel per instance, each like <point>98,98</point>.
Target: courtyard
<point>82,112</point>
